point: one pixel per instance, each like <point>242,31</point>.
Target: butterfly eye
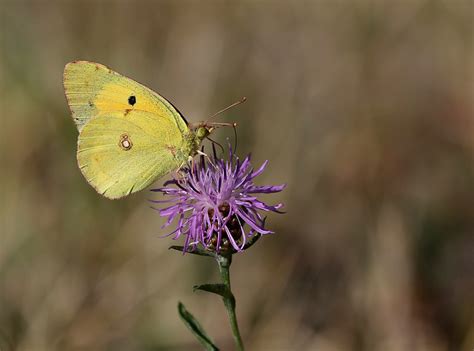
<point>132,100</point>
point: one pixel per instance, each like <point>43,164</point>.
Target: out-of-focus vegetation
<point>365,109</point>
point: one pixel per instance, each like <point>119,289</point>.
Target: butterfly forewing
<point>93,89</point>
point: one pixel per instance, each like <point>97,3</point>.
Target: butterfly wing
<point>93,89</point>
<point>120,154</point>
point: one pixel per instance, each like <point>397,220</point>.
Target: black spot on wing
<point>132,100</point>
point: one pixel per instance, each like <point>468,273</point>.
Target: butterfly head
<point>203,131</point>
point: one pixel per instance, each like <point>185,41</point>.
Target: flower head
<point>215,203</point>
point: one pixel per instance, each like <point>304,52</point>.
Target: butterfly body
<point>128,135</point>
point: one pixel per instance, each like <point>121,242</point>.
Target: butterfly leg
<point>203,154</point>
<point>192,165</point>
<point>191,159</point>
<point>180,174</point>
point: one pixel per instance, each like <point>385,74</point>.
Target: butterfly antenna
<point>241,101</point>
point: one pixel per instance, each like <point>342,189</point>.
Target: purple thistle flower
<point>215,204</point>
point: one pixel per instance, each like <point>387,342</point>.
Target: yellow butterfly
<point>128,135</point>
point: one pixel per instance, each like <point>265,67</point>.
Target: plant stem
<point>229,299</point>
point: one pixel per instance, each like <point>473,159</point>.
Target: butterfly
<point>129,135</point>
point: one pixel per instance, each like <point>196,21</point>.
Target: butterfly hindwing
<point>123,153</point>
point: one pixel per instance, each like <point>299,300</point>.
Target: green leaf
<point>196,328</point>
<point>196,251</point>
<point>219,289</point>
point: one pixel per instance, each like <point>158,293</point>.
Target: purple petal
<point>252,223</point>
<point>231,239</point>
<point>260,170</point>
<point>161,201</point>
<point>266,189</point>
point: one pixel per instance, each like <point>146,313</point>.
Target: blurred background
<point>365,110</point>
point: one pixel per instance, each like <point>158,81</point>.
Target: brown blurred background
<point>365,110</point>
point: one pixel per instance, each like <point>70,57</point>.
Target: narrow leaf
<point>196,328</point>
<point>219,289</point>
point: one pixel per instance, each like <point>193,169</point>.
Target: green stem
<point>229,299</point>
